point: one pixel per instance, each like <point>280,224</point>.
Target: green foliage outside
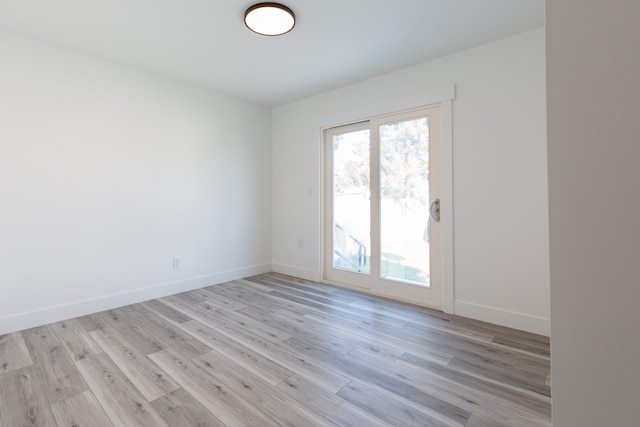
<point>404,163</point>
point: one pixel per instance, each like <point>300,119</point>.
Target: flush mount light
<point>269,19</point>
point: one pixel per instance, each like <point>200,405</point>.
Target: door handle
<point>434,210</point>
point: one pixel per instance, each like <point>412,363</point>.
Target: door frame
<point>373,281</point>
<point>443,97</point>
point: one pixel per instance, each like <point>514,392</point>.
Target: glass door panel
<point>404,201</point>
<point>351,201</point>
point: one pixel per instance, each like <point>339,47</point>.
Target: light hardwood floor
<point>272,350</point>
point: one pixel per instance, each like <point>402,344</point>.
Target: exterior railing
<point>349,249</point>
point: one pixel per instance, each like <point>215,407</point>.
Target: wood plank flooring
<point>272,350</point>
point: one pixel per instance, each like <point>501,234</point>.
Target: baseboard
<point>43,316</point>
<point>511,319</point>
<point>291,270</point>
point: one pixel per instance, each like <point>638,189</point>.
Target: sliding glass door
<point>381,206</point>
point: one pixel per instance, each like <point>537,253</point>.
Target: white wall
<point>499,179</point>
<point>593,74</point>
<point>107,174</point>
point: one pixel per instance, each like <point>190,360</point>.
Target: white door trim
<point>446,206</point>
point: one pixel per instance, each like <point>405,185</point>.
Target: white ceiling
<point>334,43</point>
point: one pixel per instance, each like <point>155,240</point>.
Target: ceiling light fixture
<point>269,19</point>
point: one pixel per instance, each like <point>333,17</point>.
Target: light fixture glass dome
<point>269,19</point>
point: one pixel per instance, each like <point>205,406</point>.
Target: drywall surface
<point>499,175</point>
<point>118,186</point>
<point>594,205</point>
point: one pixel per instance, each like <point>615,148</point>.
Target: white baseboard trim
<point>292,270</point>
<point>30,319</point>
<point>498,316</point>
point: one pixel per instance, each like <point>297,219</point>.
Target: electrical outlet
<point>301,243</point>
<point>176,263</point>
